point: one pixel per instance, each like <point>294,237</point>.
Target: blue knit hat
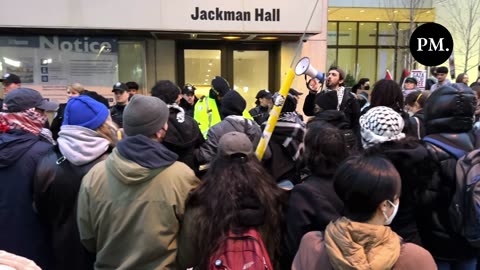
<point>86,112</point>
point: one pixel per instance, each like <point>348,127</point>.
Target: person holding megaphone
<point>347,102</point>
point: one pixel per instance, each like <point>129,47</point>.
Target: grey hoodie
<point>81,145</point>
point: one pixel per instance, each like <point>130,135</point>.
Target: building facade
<point>252,44</point>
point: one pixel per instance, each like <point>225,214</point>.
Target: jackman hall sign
<point>260,14</point>
<point>237,16</point>
<point>253,16</point>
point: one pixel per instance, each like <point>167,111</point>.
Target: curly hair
<point>227,182</point>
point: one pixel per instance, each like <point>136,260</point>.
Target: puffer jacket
<point>433,218</point>
<point>448,118</point>
<point>58,179</point>
<point>231,123</point>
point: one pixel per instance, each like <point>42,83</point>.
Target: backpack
<point>241,252</point>
<point>464,209</point>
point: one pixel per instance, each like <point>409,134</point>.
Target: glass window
<point>201,66</point>
<point>367,33</point>
<point>404,59</point>
<point>131,62</point>
<point>331,57</point>
<point>346,61</point>
<point>366,65</point>
<point>347,34</point>
<point>60,61</point>
<point>386,34</point>
<point>386,61</point>
<point>332,33</point>
<point>404,34</point>
<point>250,74</point>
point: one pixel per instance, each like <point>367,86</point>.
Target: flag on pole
<point>388,75</point>
<point>405,74</point>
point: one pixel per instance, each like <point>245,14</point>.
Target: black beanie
<point>232,104</point>
<point>327,100</point>
<point>220,85</point>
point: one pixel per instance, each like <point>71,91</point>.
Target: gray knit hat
<point>144,115</point>
<point>381,124</point>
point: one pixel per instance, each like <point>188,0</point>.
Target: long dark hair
<point>228,182</point>
<point>387,93</point>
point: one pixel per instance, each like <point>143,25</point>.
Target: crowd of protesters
<point>159,181</point>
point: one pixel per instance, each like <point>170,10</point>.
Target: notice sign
<point>421,76</point>
<point>50,63</point>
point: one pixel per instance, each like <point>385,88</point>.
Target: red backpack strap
<point>253,232</point>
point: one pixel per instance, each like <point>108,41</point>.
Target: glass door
<point>250,73</point>
<point>201,66</point>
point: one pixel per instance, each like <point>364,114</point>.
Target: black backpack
<point>464,209</point>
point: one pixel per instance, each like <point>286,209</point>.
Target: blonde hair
<point>109,131</point>
<point>76,87</point>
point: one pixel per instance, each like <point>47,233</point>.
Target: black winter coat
<point>116,112</point>
<point>57,121</point>
<point>183,137</point>
<point>55,195</point>
<point>416,168</point>
<point>260,114</point>
<point>433,222</point>
<point>312,205</point>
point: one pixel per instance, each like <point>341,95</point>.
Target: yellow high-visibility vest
<point>207,115</point>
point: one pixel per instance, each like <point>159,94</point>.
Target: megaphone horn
<point>303,67</point>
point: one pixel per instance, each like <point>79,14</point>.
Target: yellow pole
<point>274,114</point>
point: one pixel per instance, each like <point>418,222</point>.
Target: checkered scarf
<point>381,124</point>
<point>29,120</point>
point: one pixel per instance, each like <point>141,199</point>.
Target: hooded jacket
<point>56,186</point>
<point>231,123</point>
<point>449,119</point>
<point>21,231</point>
<point>131,205</point>
<point>312,255</point>
<point>183,136</point>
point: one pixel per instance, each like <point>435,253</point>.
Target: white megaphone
<point>303,67</point>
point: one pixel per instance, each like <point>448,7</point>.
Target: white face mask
<point>389,220</point>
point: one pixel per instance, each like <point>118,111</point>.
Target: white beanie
<point>381,124</point>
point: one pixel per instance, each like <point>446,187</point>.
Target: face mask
<point>367,87</point>
<point>410,113</point>
<point>395,210</point>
